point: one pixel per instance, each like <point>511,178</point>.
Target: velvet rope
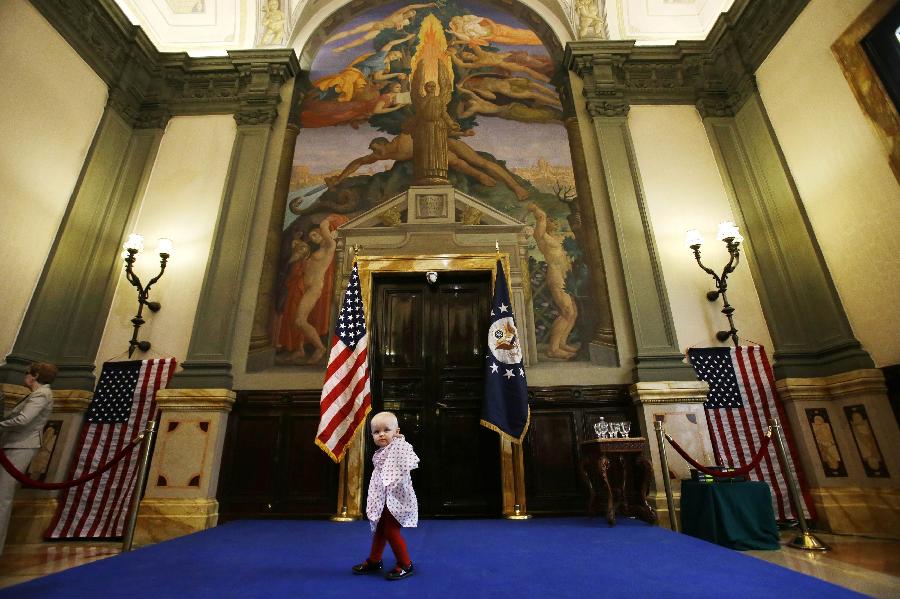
<point>736,472</point>
<point>35,484</point>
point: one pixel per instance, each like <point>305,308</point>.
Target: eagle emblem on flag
<point>504,341</point>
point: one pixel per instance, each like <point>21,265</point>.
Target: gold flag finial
<point>497,246</point>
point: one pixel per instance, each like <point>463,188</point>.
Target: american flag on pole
<point>123,404</point>
<point>346,399</point>
<point>741,400</point>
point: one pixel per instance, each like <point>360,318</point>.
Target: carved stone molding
<point>147,87</point>
<point>715,74</point>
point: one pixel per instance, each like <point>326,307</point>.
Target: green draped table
<point>737,515</point>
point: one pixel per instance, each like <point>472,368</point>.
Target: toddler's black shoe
<point>368,567</point>
<point>400,572</point>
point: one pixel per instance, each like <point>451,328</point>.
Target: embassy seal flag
<point>505,407</point>
<point>345,394</point>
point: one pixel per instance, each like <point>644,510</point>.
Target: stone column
<point>849,446</point>
<point>658,356</point>
<point>679,406</point>
<point>603,343</point>
<point>261,349</point>
<point>65,319</point>
<point>809,327</point>
<point>33,509</point>
<point>208,363</point>
<point>184,473</point>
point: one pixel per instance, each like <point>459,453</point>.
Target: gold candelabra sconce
<point>133,246</point>
<point>731,237</point>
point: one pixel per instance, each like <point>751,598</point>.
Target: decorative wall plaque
<point>431,205</point>
<point>829,452</point>
<point>866,444</point>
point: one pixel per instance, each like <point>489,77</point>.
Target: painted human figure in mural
<point>313,309</point>
<point>473,104</point>
<point>475,57</point>
<point>288,337</point>
<point>366,70</point>
<point>431,127</point>
<point>399,19</point>
<point>460,157</point>
<point>481,31</point>
<point>558,265</point>
<point>520,88</point>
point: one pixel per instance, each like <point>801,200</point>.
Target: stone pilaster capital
<point>846,385</point>
<point>669,392</point>
<point>195,400</point>
<point>607,107</point>
<point>74,401</point>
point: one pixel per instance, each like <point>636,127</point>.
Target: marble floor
<point>866,565</point>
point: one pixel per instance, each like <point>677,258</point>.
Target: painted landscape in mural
<point>510,150</point>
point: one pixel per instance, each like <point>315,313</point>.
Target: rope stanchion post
<point>664,464</point>
<point>806,540</point>
<point>146,443</point>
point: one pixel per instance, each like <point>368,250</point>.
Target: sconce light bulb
<point>164,246</point>
<point>727,229</point>
<point>738,238</point>
<point>134,242</point>
<point>124,254</point>
<point>693,238</point>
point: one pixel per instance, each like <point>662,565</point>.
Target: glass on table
<point>626,428</point>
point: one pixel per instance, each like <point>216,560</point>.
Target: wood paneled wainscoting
<point>562,417</point>
<point>271,467</point>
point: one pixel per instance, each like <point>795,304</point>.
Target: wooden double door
<point>427,356</point>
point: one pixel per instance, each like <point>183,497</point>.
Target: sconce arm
<point>707,270</point>
<point>163,259</point>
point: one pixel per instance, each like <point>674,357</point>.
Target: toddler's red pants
<point>388,531</point>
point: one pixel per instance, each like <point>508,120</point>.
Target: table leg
<point>592,494</point>
<point>644,474</point>
<point>610,501</point>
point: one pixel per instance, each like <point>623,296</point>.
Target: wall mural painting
<point>507,147</point>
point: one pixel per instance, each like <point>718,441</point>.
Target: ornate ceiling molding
<point>148,87</point>
<point>715,74</point>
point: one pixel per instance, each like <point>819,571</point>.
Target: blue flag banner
<point>505,408</point>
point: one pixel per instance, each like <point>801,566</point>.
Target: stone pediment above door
<point>430,206</point>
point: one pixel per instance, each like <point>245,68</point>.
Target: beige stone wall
<point>684,191</point>
<point>840,168</point>
<point>51,102</point>
<point>181,202</point>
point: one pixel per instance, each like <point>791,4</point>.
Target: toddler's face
<point>383,432</point>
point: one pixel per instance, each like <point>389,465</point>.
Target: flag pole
<point>344,515</point>
<point>518,512</point>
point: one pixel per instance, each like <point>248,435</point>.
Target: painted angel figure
<point>431,126</point>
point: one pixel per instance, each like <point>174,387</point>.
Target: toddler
<point>392,500</point>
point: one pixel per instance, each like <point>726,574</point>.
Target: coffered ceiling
<point>211,27</point>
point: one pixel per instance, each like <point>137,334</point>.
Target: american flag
<point>124,402</point>
<point>741,400</point>
<point>346,399</point>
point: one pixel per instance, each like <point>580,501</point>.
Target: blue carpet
<point>553,557</point>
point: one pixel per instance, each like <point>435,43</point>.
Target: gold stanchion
<point>664,464</point>
<point>343,516</point>
<point>518,512</point>
<point>806,540</point>
<point>146,442</point>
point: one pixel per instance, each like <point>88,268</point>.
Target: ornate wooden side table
<point>625,473</point>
